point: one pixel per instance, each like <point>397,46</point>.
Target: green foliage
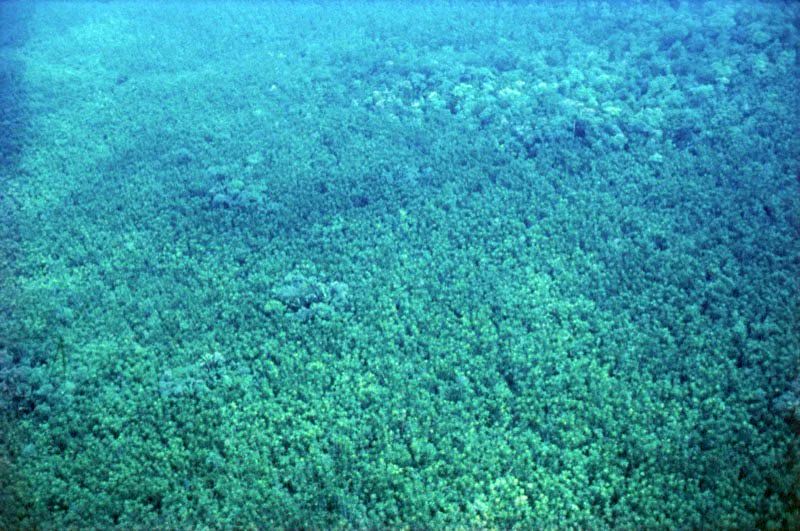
<point>436,267</point>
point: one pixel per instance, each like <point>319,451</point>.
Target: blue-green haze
<point>399,265</point>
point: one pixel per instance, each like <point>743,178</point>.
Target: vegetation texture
<point>399,265</point>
